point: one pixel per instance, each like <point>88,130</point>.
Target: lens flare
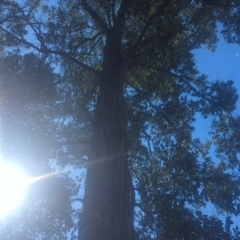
<point>13,186</point>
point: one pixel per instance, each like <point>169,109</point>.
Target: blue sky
<point>222,64</point>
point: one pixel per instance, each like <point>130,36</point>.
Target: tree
<point>131,73</point>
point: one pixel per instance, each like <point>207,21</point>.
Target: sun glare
<point>13,186</point>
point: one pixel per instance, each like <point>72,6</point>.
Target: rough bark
<point>109,196</point>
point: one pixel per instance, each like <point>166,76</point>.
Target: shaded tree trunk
<point>109,196</point>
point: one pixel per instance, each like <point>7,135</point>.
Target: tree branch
<point>168,120</point>
<point>121,11</point>
<point>112,5</point>
<point>77,200</point>
<point>107,8</point>
<point>45,50</point>
<point>144,30</point>
<point>96,18</point>
<point>181,79</point>
<point>71,142</point>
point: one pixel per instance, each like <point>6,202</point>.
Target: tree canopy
<point>110,88</point>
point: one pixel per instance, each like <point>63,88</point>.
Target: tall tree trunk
<point>109,196</point>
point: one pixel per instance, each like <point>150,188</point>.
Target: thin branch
<point>92,39</point>
<point>112,6</point>
<point>168,120</point>
<point>95,17</point>
<point>77,200</point>
<point>75,142</point>
<point>121,11</point>
<point>181,78</point>
<point>144,30</point>
<point>93,46</point>
<point>107,9</point>
<point>149,143</point>
<point>45,50</point>
<point>139,205</point>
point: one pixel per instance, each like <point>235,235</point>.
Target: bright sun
<point>13,185</point>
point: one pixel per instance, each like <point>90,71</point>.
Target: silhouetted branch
<point>96,18</point>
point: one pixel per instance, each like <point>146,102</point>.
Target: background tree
<point>28,95</point>
<point>131,87</point>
